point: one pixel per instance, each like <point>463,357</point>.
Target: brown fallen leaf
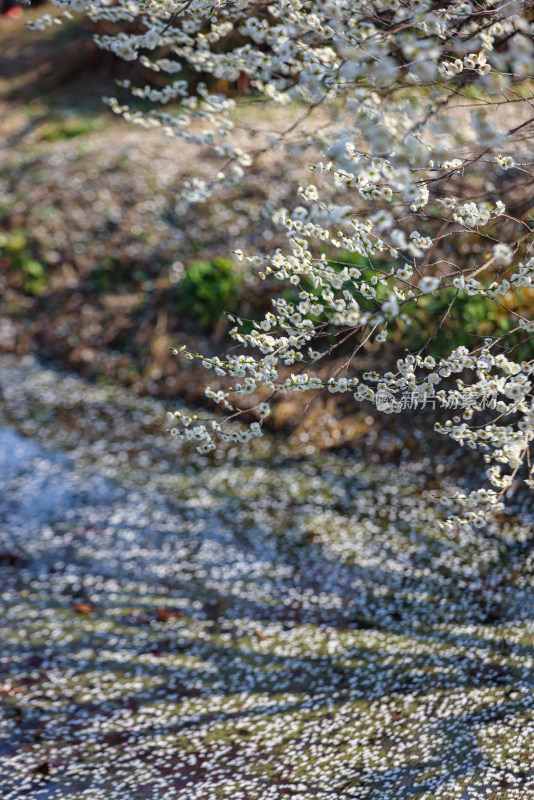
<point>84,608</point>
<point>260,634</point>
<point>164,614</point>
<point>10,690</point>
<point>11,559</point>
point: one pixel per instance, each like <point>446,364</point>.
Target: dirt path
<point>245,630</point>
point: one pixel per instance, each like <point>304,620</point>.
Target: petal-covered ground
<point>251,628</point>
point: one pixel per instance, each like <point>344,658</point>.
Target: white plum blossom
<point>429,284</point>
<point>503,254</point>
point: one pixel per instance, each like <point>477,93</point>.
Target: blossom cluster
<point>411,195</point>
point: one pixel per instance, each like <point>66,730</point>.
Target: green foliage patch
<point>209,289</point>
<point>18,251</point>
